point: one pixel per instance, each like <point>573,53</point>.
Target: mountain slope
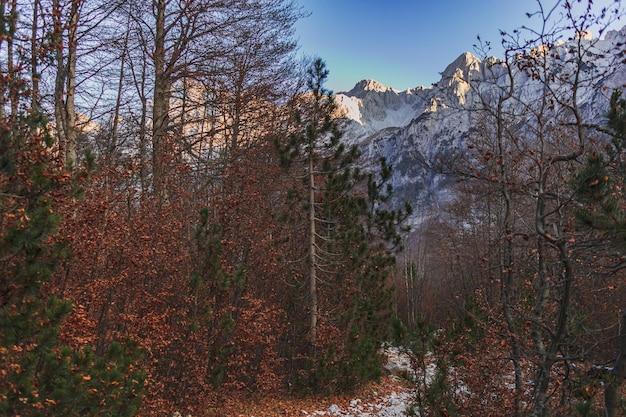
<point>414,128</point>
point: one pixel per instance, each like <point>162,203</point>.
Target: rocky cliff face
<point>413,128</point>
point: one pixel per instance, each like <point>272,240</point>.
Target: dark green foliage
<point>214,293</point>
<point>616,120</point>
<point>366,235</point>
<point>59,381</point>
<point>433,393</point>
<point>600,188</point>
<point>599,184</point>
<point>584,389</point>
<point>336,371</point>
<point>355,238</point>
<point>438,395</point>
<point>398,332</point>
<point>364,362</point>
<point>39,375</point>
<point>585,408</point>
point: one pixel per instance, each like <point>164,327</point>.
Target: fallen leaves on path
<point>373,396</point>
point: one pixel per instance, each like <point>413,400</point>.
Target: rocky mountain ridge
<point>414,127</point>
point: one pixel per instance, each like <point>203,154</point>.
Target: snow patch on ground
<point>396,403</point>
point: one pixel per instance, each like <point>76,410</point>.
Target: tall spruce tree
<point>215,293</point>
<point>600,187</point>
<point>342,267</point>
<point>39,375</point>
<point>599,184</point>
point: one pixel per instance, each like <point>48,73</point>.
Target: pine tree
<point>350,238</point>
<point>315,146</point>
<point>214,294</point>
<point>367,236</point>
<point>599,183</point>
<point>599,186</point>
<point>40,376</point>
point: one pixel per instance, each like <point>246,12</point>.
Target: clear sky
<point>404,43</point>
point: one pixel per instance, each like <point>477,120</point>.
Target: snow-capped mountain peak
<point>370,107</point>
<point>461,67</point>
<point>364,86</point>
<point>411,128</point>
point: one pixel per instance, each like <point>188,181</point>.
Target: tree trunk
<point>612,397</point>
<point>4,38</point>
<point>118,102</point>
<point>59,81</point>
<point>549,356</point>
<point>161,101</point>
<point>70,109</point>
<point>34,59</point>
<point>507,287</point>
<point>10,61</point>
<point>65,82</point>
<point>312,254</point>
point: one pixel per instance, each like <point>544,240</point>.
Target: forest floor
<point>391,397</point>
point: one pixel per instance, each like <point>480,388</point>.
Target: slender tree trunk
<point>59,81</point>
<point>70,109</point>
<point>11,60</point>
<point>161,101</point>
<point>312,254</point>
<point>34,60</point>
<point>118,102</point>
<point>507,292</point>
<point>139,80</point>
<point>3,39</point>
<point>542,374</point>
<point>65,81</point>
<point>409,284</point>
<point>612,397</point>
<point>548,360</point>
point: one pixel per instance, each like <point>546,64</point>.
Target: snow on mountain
<point>372,107</point>
<point>364,86</point>
<point>411,128</point>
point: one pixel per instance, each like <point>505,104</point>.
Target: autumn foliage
<point>182,230</point>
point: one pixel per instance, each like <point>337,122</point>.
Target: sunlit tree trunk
<point>161,99</point>
<point>65,80</point>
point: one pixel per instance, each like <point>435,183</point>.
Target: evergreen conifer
<point>600,183</point>
<point>39,375</point>
<point>350,244</point>
<point>600,187</point>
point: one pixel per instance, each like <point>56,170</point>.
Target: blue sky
<point>403,43</point>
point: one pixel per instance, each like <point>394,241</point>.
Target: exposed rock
<point>412,128</point>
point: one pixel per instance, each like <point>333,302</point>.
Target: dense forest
<point>180,221</point>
